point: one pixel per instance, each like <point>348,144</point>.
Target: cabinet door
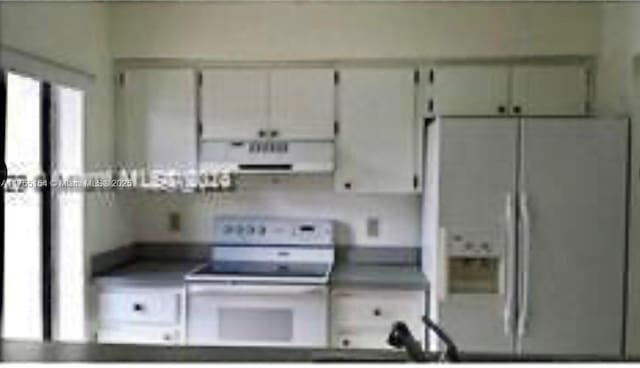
<point>550,90</point>
<point>376,149</point>
<point>302,103</point>
<point>574,176</point>
<point>158,119</point>
<point>234,103</point>
<point>460,90</point>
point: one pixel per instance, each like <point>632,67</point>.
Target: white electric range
<point>266,284</point>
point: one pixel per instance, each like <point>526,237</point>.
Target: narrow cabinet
<point>362,318</point>
<point>302,103</point>
<point>234,103</point>
<point>157,119</point>
<point>376,146</point>
<point>468,90</point>
<point>550,90</point>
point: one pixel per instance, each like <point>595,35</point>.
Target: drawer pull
<point>377,312</point>
<point>167,337</point>
<point>137,307</point>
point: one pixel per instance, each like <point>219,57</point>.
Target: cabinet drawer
<point>360,338</point>
<point>370,337</point>
<point>143,307</point>
<point>139,335</point>
<point>376,308</point>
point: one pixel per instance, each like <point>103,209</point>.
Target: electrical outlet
<point>373,227</point>
<point>174,222</point>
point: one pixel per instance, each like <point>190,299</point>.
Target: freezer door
<point>573,185</point>
<point>477,184</point>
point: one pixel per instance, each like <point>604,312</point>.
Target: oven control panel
<point>267,230</point>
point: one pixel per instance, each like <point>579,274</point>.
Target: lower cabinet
<point>362,318</point>
<point>140,315</point>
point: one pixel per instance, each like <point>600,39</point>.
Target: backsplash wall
<point>398,215</point>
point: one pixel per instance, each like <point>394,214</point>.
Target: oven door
<point>257,315</point>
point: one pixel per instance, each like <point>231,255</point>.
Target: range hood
<point>268,156</point>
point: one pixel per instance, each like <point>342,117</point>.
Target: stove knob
<point>228,229</point>
<point>251,230</point>
<point>239,229</point>
<point>262,230</point>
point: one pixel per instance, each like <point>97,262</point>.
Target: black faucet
<point>401,337</point>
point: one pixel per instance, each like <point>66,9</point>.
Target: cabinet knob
<point>345,342</point>
<point>502,109</point>
<point>377,312</point>
<point>274,133</point>
<point>517,109</point>
<point>347,185</point>
<point>167,337</point>
<point>137,307</point>
<point>262,133</point>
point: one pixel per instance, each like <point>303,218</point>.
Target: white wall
<point>313,196</point>
<point>76,35</point>
<point>329,30</point>
<point>321,31</point>
<point>619,93</point>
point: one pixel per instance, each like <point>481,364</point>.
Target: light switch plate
<point>175,223</point>
<point>373,227</point>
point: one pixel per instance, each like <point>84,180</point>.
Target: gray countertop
<point>148,272</point>
<point>379,276</point>
<point>20,351</point>
<point>343,275</point>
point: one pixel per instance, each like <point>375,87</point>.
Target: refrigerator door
<point>572,238</point>
<point>477,184</point>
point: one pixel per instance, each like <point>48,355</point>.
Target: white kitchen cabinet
<point>302,103</point>
<point>157,119</point>
<point>550,90</point>
<point>376,147</point>
<point>495,90</point>
<point>141,314</point>
<point>362,318</point>
<point>234,103</point>
<point>468,90</point>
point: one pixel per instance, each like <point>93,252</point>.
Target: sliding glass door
<point>42,254</point>
<point>69,314</point>
<point>23,225</point>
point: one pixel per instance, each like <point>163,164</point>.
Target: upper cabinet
<point>302,103</point>
<point>550,90</point>
<point>469,90</point>
<point>377,150</point>
<point>259,103</point>
<point>486,90</point>
<point>157,117</point>
<point>234,103</point>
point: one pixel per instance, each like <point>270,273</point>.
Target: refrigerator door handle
<point>526,260</point>
<point>509,258</point>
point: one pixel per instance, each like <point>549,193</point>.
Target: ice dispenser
<point>474,261</point>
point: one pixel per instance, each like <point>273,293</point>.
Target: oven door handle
<point>208,288</point>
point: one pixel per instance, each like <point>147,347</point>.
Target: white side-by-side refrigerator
<point>525,232</point>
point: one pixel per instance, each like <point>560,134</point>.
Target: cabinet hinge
<point>430,105</point>
<point>336,128</point>
<point>415,181</point>
<point>121,79</point>
<point>416,76</point>
<point>199,129</point>
<point>336,77</point>
<point>199,79</point>
<point>432,76</point>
